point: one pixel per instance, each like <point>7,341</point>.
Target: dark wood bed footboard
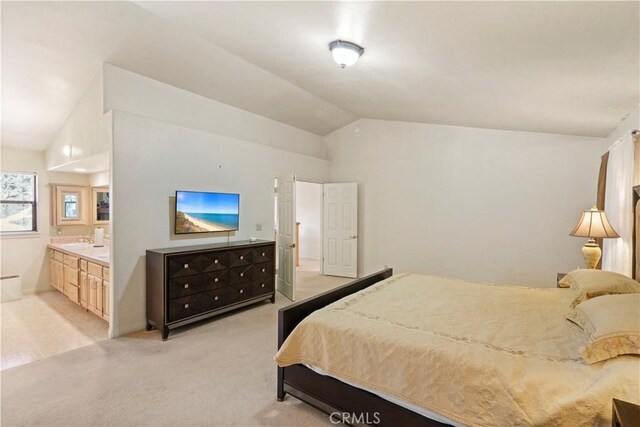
<point>343,402</point>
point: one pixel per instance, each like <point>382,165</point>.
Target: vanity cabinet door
<point>59,281</point>
<point>92,302</point>
<point>105,300</point>
<point>84,289</point>
<point>52,271</point>
<point>99,296</point>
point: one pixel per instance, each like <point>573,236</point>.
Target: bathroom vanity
<point>81,272</point>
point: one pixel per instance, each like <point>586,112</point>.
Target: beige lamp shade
<point>595,224</point>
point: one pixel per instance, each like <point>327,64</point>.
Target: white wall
<point>479,204</point>
<point>84,129</point>
<point>309,215</point>
<point>99,179</point>
<point>152,159</point>
<point>128,91</point>
<point>26,255</point>
<point>629,123</point>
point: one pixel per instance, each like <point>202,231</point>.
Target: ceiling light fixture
<point>345,53</point>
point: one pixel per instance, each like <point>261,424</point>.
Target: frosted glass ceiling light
<point>345,53</point>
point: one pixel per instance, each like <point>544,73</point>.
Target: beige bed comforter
<point>477,354</point>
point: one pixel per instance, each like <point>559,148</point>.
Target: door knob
<point>355,236</point>
<point>292,245</point>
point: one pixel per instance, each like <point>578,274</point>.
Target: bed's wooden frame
<point>353,405</point>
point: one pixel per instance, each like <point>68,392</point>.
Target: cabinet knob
<point>215,280</point>
<point>262,285</point>
<point>186,306</point>
<point>263,270</point>
<point>215,298</point>
<point>186,266</point>
<point>241,256</point>
<point>242,291</point>
<point>186,286</point>
<point>241,274</point>
<point>262,253</point>
<point>215,262</point>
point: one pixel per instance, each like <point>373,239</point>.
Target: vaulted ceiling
<point>560,67</point>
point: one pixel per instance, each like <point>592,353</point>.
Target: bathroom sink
<point>79,245</point>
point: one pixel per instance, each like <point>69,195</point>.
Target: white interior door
<point>340,237</point>
<point>286,277</point>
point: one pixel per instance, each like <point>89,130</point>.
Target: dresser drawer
<point>216,279</point>
<point>94,270</point>
<point>181,308</point>
<point>262,254</point>
<point>263,287</point>
<point>240,257</point>
<point>71,261</point>
<point>58,256</point>
<point>240,274</point>
<point>240,291</point>
<point>72,292</point>
<point>216,299</point>
<point>262,271</point>
<point>217,261</point>
<point>83,264</point>
<point>70,275</point>
<point>188,285</point>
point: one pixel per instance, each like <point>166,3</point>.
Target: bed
<point>416,350</point>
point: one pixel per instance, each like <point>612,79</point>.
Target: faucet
<point>86,239</point>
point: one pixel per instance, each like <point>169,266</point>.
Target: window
<point>18,210</point>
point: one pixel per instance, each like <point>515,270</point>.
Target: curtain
<point>602,187</point>
<point>618,253</point>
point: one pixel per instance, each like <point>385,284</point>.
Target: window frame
<point>34,203</point>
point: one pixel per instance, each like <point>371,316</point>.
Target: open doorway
<point>316,232</point>
<point>309,227</point>
<point>310,277</point>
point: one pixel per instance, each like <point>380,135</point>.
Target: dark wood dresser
<point>191,283</point>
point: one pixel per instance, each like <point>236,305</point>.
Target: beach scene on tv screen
<point>206,212</point>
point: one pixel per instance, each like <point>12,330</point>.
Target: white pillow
<point>590,283</point>
<point>613,325</point>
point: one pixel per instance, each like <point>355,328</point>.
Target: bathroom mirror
<point>100,203</point>
<point>70,205</point>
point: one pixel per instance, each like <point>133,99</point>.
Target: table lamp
<point>593,224</point>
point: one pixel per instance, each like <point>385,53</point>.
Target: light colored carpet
<point>41,325</point>
<point>218,373</point>
<point>310,282</point>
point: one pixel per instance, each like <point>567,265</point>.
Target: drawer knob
<point>262,285</point>
<point>241,256</point>
<point>186,266</point>
<point>215,280</point>
<point>263,270</point>
<point>186,286</point>
<point>215,298</point>
<point>241,274</point>
<point>242,291</point>
<point>186,306</point>
<point>215,262</point>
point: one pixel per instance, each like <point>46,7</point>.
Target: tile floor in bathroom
<point>42,325</point>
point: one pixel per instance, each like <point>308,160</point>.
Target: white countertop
<point>99,255</point>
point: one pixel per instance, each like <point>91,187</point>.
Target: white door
<point>340,237</point>
<point>286,236</point>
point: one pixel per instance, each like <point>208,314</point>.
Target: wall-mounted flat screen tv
<point>198,212</point>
